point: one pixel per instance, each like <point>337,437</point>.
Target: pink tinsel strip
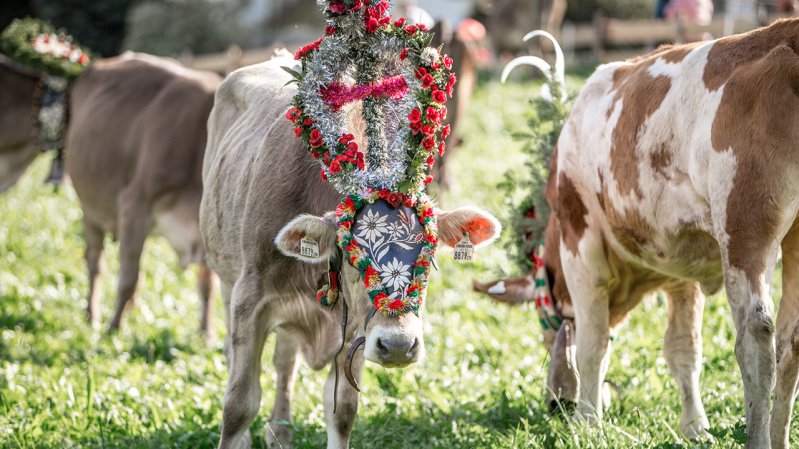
<point>337,94</point>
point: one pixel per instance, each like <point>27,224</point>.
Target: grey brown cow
<point>134,155</point>
<point>263,196</point>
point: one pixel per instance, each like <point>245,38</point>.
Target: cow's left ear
<point>482,227</point>
<point>308,238</point>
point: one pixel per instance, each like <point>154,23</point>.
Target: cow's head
<point>393,238</point>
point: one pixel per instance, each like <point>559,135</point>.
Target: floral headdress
<point>403,84</point>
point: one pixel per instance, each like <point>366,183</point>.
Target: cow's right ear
<point>308,238</point>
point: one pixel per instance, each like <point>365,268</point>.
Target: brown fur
<point>18,145</point>
<point>764,91</point>
<point>571,212</point>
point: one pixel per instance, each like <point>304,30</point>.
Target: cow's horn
<point>348,364</point>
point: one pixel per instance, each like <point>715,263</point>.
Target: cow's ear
<point>308,238</point>
<point>481,226</point>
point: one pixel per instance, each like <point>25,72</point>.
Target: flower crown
<point>36,44</point>
<point>403,85</point>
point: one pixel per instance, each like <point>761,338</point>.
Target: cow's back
<point>657,150</point>
<point>257,176</point>
<point>137,122</point>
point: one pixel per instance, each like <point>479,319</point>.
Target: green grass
<point>156,385</point>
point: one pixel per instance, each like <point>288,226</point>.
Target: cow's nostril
<point>382,348</point>
<point>414,349</point>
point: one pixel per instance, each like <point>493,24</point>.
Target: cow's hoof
<point>562,406</point>
<point>698,436</point>
<point>277,435</point>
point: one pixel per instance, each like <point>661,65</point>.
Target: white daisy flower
<point>372,226</point>
<point>395,274</point>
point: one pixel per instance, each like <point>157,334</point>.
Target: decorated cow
<point>337,258</point>
<point>677,171</point>
<point>134,144</point>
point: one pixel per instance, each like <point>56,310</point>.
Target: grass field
<point>156,385</point>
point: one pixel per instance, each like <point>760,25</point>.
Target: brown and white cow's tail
<point>556,80</point>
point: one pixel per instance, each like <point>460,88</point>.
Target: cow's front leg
<point>134,221</point>
<point>94,252</point>
<point>339,424</point>
<point>683,351</point>
<point>247,333</point>
<point>754,349</point>
<point>787,343</point>
<point>286,360</point>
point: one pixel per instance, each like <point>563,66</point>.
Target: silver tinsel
<point>387,156</point>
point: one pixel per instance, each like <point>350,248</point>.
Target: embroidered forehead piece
<point>402,85</point>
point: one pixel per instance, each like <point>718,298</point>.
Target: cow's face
<point>391,341</point>
<point>562,374</point>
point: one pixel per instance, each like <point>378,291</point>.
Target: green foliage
<point>16,42</point>
<point>481,385</point>
<point>529,215</point>
<point>583,10</point>
<point>170,28</point>
<point>98,24</point>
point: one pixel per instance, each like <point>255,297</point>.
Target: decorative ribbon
<point>547,314</point>
<point>336,94</point>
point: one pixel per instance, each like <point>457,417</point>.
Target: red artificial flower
<point>403,54</point>
<point>448,62</point>
<point>357,5</point>
<point>395,199</point>
<point>330,30</point>
<point>428,130</point>
<point>408,202</point>
<point>432,114</point>
<point>428,180</point>
<point>445,132</point>
<point>307,122</point>
<point>442,148</point>
<point>359,161</point>
<point>385,20</point>
<point>381,7</point>
<point>395,304</point>
<point>335,167</point>
<point>420,72</point>
<point>316,134</point>
<point>429,142</point>
<point>378,297</point>
<point>370,271</point>
<point>400,22</point>
<point>352,146</point>
<point>416,127</point>
<point>298,131</point>
<point>422,27</point>
<point>451,83</point>
<point>442,113</point>
<point>323,175</point>
<point>336,7</point>
<point>415,116</point>
<point>326,158</point>
<point>411,29</point>
<point>427,81</point>
<point>372,25</point>
<point>439,96</point>
<point>83,60</point>
<point>431,161</point>
<point>432,240</point>
<point>293,114</point>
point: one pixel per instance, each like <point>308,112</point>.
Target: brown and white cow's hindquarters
<point>134,154</point>
<point>679,168</point>
<point>263,194</point>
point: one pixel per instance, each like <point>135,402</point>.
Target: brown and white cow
<point>263,196</point>
<point>678,171</point>
<point>134,154</point>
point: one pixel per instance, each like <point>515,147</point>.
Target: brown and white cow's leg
<point>339,424</point>
<point>787,342</point>
<point>751,306</point>
<point>591,308</point>
<point>683,351</point>
<point>134,224</point>
<point>286,360</point>
<point>94,253</point>
<point>205,285</point>
<point>247,333</point>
